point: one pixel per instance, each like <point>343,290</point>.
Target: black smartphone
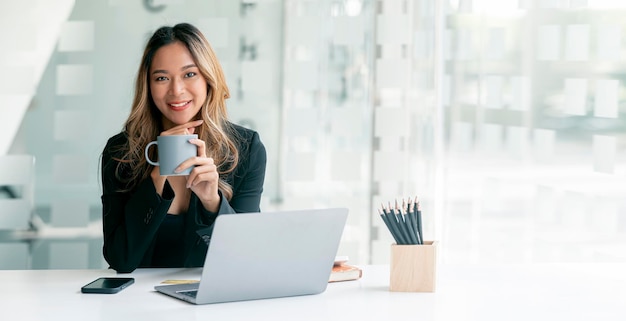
<point>107,285</point>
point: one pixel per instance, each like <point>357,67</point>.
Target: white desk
<point>586,292</point>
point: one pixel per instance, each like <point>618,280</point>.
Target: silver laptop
<point>266,255</point>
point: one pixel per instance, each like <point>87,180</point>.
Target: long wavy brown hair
<point>144,122</point>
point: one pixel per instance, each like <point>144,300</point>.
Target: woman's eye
<point>160,78</point>
<point>190,74</point>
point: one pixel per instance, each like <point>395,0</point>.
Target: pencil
<point>395,225</point>
<point>412,221</point>
<point>409,228</point>
<point>419,220</point>
<point>407,224</point>
<point>382,215</point>
<point>401,225</point>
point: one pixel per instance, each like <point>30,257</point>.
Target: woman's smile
<point>178,106</point>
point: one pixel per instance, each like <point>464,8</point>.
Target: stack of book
<point>342,271</point>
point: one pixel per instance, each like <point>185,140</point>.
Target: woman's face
<point>176,85</point>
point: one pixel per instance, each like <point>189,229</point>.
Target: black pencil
<point>410,209</point>
<point>408,223</point>
<point>419,221</point>
<point>384,217</point>
<point>395,225</point>
<point>401,224</point>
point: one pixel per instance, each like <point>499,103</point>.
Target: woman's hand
<point>203,179</point>
<point>183,129</point>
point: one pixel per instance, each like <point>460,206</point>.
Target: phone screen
<point>107,285</point>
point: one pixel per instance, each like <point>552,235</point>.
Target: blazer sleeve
<point>130,219</point>
<point>248,183</point>
<point>247,193</point>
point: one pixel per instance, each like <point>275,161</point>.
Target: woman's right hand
<point>184,129</point>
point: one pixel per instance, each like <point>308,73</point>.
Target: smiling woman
<point>151,220</point>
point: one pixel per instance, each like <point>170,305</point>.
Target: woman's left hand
<point>203,179</point>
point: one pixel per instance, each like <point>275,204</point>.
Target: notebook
<point>266,255</point>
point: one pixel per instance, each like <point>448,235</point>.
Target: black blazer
<point>131,219</point>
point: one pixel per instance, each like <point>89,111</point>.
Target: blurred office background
<point>504,117</point>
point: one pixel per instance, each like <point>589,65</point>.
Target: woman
<point>166,221</point>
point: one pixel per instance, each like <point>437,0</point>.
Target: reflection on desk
<point>507,292</point>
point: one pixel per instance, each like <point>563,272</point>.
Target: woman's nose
<point>176,86</point>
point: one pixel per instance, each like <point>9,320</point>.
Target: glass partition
<point>504,118</point>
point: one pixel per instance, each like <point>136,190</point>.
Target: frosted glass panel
<point>302,75</point>
<point>216,30</point>
<point>15,256</point>
<point>69,255</point>
<point>348,31</point>
<point>304,25</point>
<point>491,136</point>
<point>546,199</point>
<point>342,124</point>
<point>493,87</point>
<point>604,151</point>
<point>389,166</point>
<point>543,143</point>
<point>390,122</point>
<point>392,73</point>
<point>15,213</point>
<point>301,166</point>
<point>77,36</point>
<point>302,121</point>
<point>465,44</point>
<point>609,42</point>
<point>577,4</point>
<point>257,77</point>
<point>575,96</point>
<point>553,4</point>
<point>70,169</point>
<point>69,213</point>
<point>74,79</point>
<point>446,90</point>
<point>520,93</point>
<point>391,6</point>
<point>548,38</point>
<point>605,219</point>
<point>68,123</point>
<point>577,43</point>
<point>448,38</point>
<point>496,43</point>
<point>517,140</point>
<point>573,210</point>
<point>346,166</point>
<point>606,98</point>
<point>462,136</point>
<point>393,29</point>
<point>423,46</point>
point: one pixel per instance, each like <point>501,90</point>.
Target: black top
<point>131,220</point>
<point>169,246</point>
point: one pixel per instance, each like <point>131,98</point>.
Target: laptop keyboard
<point>190,293</point>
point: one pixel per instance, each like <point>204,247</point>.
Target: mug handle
<point>146,153</point>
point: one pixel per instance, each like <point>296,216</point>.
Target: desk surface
<point>507,292</point>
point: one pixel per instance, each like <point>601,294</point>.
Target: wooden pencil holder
<point>413,267</point>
